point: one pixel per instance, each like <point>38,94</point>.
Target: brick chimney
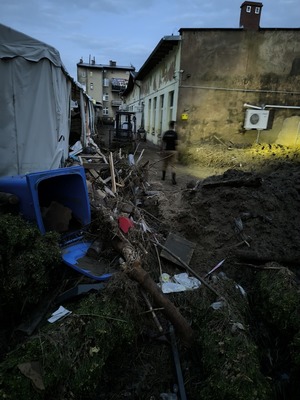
<point>250,15</point>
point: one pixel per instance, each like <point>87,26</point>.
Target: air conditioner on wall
<point>256,119</point>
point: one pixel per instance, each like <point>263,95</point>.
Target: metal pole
<point>177,364</point>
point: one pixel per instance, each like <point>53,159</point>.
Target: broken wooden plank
<point>91,156</point>
<point>100,193</point>
<point>94,173</point>
<point>108,191</point>
<point>96,176</point>
<point>102,155</point>
<point>93,165</point>
<point>112,173</point>
<point>140,156</point>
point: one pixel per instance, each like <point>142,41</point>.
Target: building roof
<point>105,66</point>
<point>165,45</point>
<point>130,83</point>
<point>236,29</point>
<point>252,3</point>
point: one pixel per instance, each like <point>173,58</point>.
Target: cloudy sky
<point>127,31</point>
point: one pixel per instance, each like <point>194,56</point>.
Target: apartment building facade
<point>104,83</point>
<point>152,93</point>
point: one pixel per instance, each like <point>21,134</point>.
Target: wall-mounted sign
<point>184,117</point>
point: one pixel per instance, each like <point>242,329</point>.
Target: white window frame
<point>91,86</point>
<point>248,9</point>
<point>105,111</point>
<point>105,82</point>
<point>105,97</point>
<point>257,10</point>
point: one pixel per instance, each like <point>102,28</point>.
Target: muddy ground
<point>239,206</point>
<point>258,186</point>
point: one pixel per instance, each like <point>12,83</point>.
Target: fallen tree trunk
<point>135,271</point>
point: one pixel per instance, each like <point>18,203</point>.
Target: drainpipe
<point>251,106</point>
<point>271,106</point>
<point>276,106</point>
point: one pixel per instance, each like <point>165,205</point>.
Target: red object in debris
<point>125,224</point>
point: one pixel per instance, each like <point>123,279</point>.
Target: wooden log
<point>135,271</point>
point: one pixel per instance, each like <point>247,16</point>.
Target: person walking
<point>169,147</point>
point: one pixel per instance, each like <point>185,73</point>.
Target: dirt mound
<point>251,210</point>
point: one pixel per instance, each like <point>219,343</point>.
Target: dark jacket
<point>170,139</point>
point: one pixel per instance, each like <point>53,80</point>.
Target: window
<point>91,74</point>
<point>171,104</point>
<point>248,9</point>
<point>106,82</point>
<point>91,86</point>
<point>83,74</point>
<point>105,96</point>
<point>105,111</point>
<point>171,99</point>
<point>162,101</point>
<point>257,10</point>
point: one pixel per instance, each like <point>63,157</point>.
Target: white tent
<point>35,99</point>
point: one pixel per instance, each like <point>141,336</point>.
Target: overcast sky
<point>127,31</point>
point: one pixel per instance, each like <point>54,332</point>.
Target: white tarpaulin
<point>35,102</point>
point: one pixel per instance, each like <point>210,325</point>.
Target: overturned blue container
<point>38,190</point>
<point>57,200</point>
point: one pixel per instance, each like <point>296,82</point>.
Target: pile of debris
<point>186,312</point>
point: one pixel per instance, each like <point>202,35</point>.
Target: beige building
<point>152,93</point>
<point>234,83</point>
<point>104,83</point>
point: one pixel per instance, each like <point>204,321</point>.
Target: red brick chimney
<point>250,15</point>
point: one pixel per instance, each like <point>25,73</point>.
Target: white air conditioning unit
<point>256,119</point>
